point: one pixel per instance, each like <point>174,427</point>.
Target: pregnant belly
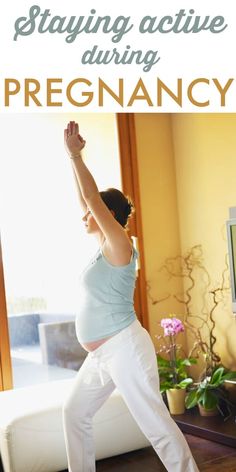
<point>91,346</point>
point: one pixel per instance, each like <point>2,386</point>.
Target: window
<point>43,240</point>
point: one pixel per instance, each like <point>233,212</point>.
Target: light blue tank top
<point>105,298</point>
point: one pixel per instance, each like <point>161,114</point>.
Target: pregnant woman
<point>120,351</point>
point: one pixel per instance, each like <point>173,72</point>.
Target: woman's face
<point>90,222</point>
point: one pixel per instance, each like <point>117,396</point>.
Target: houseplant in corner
<point>210,394</point>
<point>173,373</point>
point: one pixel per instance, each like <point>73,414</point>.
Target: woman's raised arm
<point>117,240</point>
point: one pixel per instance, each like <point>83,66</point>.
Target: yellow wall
<point>205,157</point>
<point>187,167</point>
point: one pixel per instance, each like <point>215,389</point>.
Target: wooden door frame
<point>5,355</point>
<point>130,186</point>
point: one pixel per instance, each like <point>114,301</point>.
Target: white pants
<point>126,361</point>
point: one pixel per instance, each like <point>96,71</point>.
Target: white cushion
<point>31,433</point>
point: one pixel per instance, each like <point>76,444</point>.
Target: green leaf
<point>209,400</point>
<point>164,371</point>
<point>216,377</point>
<point>191,399</point>
<point>184,383</point>
<point>162,362</point>
<point>229,376</point>
<point>182,376</point>
<point>189,361</point>
<point>165,386</point>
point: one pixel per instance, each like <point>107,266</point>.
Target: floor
<point>209,456</point>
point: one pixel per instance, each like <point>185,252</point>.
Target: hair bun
<point>129,208</point>
<point>120,204</point>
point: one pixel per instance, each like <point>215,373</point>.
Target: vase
<point>176,400</point>
<point>204,412</point>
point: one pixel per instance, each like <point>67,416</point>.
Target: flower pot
<point>176,400</point>
<point>204,412</point>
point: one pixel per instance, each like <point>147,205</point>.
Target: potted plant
<point>201,299</point>
<point>210,394</point>
<point>174,378</point>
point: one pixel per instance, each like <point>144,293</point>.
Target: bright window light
<point>44,242</point>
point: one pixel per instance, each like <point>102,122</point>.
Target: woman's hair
<point>121,205</point>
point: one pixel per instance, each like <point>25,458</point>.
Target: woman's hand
<point>74,143</point>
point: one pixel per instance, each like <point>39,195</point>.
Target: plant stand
<point>211,428</point>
